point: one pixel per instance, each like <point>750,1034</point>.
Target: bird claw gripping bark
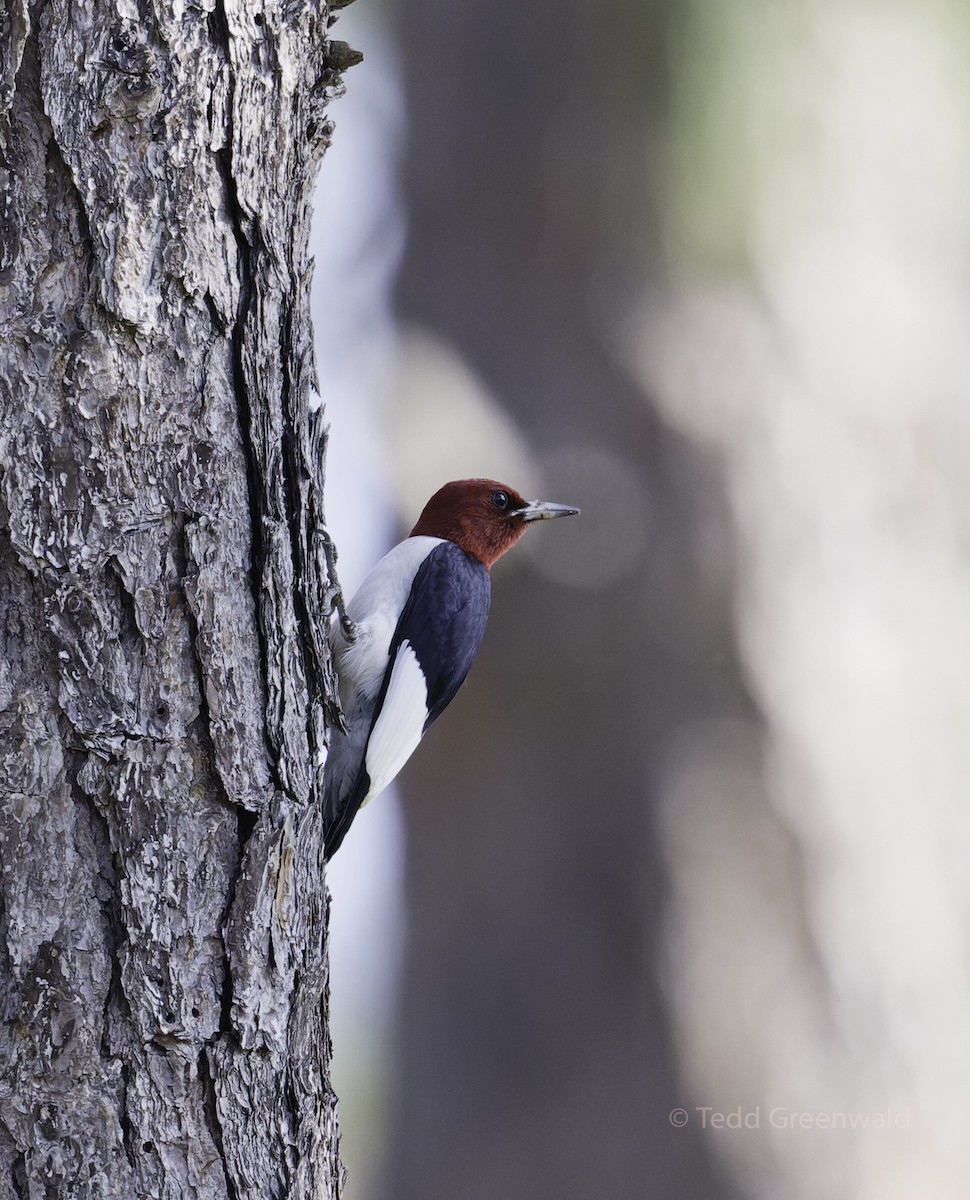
<point>337,602</point>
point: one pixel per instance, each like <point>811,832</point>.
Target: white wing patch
<point>376,608</point>
<point>399,726</point>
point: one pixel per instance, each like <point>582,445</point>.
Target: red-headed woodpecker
<point>414,628</point>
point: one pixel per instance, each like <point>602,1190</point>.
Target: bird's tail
<point>345,786</point>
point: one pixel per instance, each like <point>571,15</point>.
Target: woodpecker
<point>411,633</point>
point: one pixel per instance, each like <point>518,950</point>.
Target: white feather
<point>376,609</point>
<point>400,724</point>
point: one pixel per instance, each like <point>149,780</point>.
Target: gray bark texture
<point>164,678</point>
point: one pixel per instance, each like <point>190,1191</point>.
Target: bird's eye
<point>500,500</point>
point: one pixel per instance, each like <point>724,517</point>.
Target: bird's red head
<point>482,516</point>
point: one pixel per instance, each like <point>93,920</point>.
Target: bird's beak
<point>543,510</point>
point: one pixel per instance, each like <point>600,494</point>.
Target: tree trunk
<point>164,684</point>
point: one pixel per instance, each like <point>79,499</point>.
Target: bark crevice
<point>160,887</point>
<point>213,1122</point>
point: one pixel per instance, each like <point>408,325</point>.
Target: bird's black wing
<point>443,621</point>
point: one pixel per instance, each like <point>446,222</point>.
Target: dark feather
<point>443,621</point>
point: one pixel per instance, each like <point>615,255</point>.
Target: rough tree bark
<point>164,681</point>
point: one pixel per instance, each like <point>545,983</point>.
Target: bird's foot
<point>337,603</point>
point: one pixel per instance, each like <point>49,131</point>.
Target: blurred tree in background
<point>695,833</point>
<point>536,1055</point>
